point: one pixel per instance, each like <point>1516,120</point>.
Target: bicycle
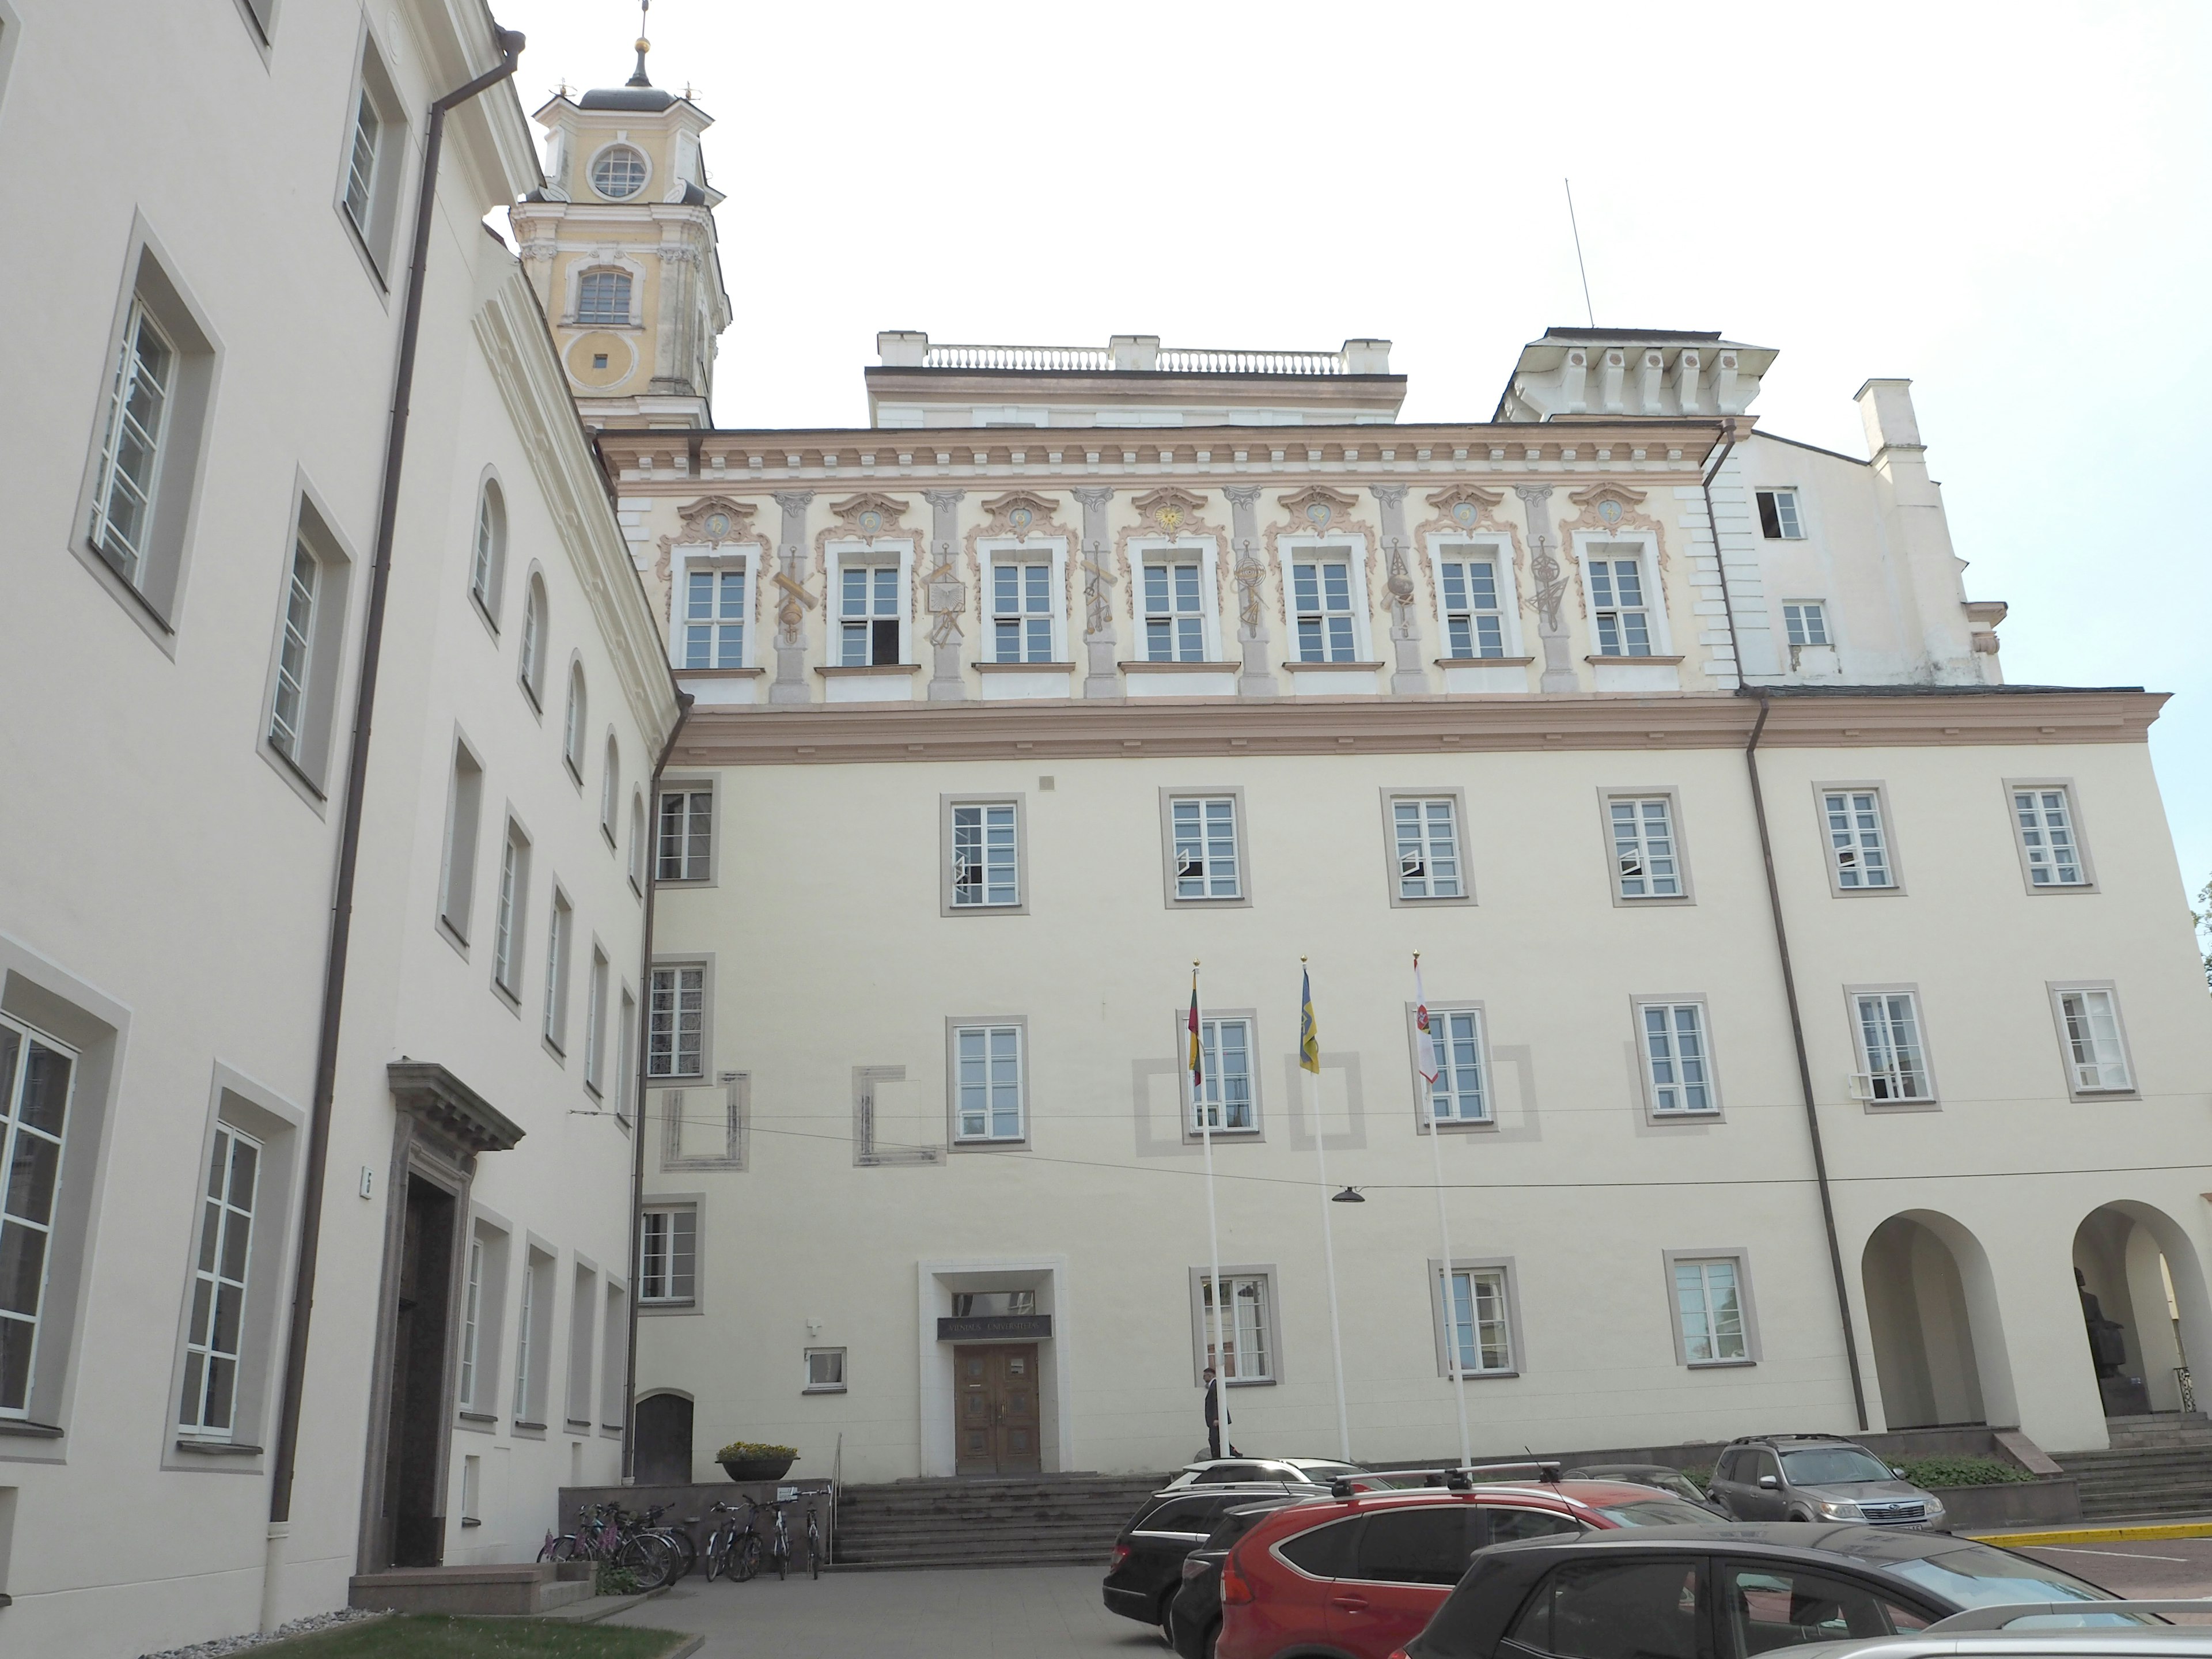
<point>813,1536</point>
<point>780,1536</point>
<point>733,1549</point>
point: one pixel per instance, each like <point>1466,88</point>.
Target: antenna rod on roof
<point>1587,309</point>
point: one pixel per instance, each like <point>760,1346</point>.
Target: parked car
<point>1225,1471</point>
<point>1666,1478</point>
<point>1359,1574</point>
<point>1194,1612</point>
<point>1146,1570</point>
<point>1732,1591</point>
<point>2096,1642</point>
<point>1817,1477</point>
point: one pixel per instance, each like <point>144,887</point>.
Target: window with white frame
<point>1206,856</point>
<point>1021,609</point>
<point>583,1308</point>
<point>1460,1093</point>
<point>868,614</point>
<point>36,1074</point>
<point>1892,1057</point>
<point>614,1361</point>
<point>1646,862</point>
<point>215,1334</point>
<point>1322,607</point>
<point>488,563</point>
<point>595,1024</point>
<point>288,710</point>
<point>530,668</point>
<point>610,789</point>
<point>533,1340</point>
<point>825,1370</point>
<point>668,1255</point>
<point>637,842</point>
<point>619,172</point>
<point>986,856</point>
<point>1224,1102</point>
<point>557,932</point>
<point>133,448</point>
<point>1858,850</point>
<point>715,616</point>
<point>472,1312</point>
<point>676,1028</point>
<point>1708,1310</point>
<point>602,299</point>
<point>2044,817</point>
<point>1173,607</point>
<point>1806,621</point>
<point>687,834</point>
<point>2096,1059</point>
<point>1481,1332</point>
<point>1246,1350</point>
<point>988,1068</point>
<point>1474,623</point>
<point>363,156</point>
<point>1424,834</point>
<point>1777,516</point>
<point>572,724</point>
<point>369,186</point>
<point>513,894</point>
<point>1614,571</point>
<point>1677,1058</point>
<point>625,1054</point>
<point>456,888</point>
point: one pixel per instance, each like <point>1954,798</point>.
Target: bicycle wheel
<point>687,1552</point>
<point>650,1557</point>
<point>813,1549</point>
<point>562,1548</point>
<point>715,1555</point>
<point>780,1551</point>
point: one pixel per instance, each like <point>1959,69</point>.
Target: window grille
<point>686,825</point>
<point>1806,621</point>
<point>1777,516</point>
<point>1244,1328</point>
<point>1224,1102</point>
<point>2093,1049</point>
<point>363,161</point>
<point>507,935</point>
<point>619,173</point>
<point>1458,1096</point>
<point>1481,1333</point>
<point>602,298</point>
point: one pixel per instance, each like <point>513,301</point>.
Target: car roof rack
<point>1997,1617</point>
<point>1755,1439</point>
<point>1455,1477</point>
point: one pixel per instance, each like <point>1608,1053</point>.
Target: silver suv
<point>1817,1477</point>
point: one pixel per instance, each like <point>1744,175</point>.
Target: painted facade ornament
<point>714,520</point>
<point>1019,513</point>
<point>869,515</point>
<point>1097,592</point>
<point>1399,585</point>
<point>948,598</point>
<point>1171,512</point>
<point>1468,509</point>
<point>1251,572</point>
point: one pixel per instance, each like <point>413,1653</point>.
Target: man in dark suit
<point>1214,1419</point>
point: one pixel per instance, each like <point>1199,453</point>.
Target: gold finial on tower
<point>638,76</point>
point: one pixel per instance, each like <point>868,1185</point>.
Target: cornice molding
<point>1153,726</point>
<point>429,1092</point>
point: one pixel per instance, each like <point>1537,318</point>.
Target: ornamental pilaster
<point>1408,676</point>
<point>1551,586</point>
<point>793,600</point>
<point>947,597</point>
<point>1256,679</point>
<point>1100,678</point>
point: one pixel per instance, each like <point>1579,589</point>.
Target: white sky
<point>2007,205</point>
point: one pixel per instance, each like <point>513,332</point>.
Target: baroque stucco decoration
<point>1317,510</point>
<point>1018,514</point>
<point>1470,510</point>
<point>946,598</point>
<point>715,522</point>
<point>1605,508</point>
<point>1171,512</point>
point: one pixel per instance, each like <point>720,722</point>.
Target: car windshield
<point>1654,1512</point>
<point>1834,1466</point>
<point>1322,1474</point>
<point>1970,1575</point>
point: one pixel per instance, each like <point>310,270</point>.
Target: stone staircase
<point>2158,1467</point>
<point>1022,1520</point>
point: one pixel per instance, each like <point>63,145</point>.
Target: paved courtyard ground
<point>2157,1566</point>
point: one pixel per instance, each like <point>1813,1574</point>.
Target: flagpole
<point>1212,1223</point>
<point>1426,1107</point>
<point>1328,1231</point>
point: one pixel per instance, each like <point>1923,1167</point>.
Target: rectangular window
<point>1021,612</point>
<point>1807,621</point>
<point>825,1370</point>
<point>1174,611</point>
<point>368,181</point>
<point>471,1323</point>
<point>533,1340</point>
<point>686,841</point>
<point>614,1361</point>
<point>1890,1050</point>
<point>668,1255</point>
<point>287,712</point>
<point>988,1080</point>
<point>1617,607</point>
<point>1246,1327</point>
<point>513,894</point>
<point>868,615</point>
<point>557,971</point>
<point>1204,846</point>
<point>677,1013</point>
<point>131,452</point>
<point>362,161</point>
<point>1777,516</point>
<point>625,1054</point>
<point>1859,852</point>
<point>1646,861</point>
<point>986,863</point>
<point>583,1307</point>
<point>1708,1310</point>
<point>2096,1059</point>
<point>1224,1105</point>
<point>1320,595</point>
<point>1481,1333</point>
<point>595,1024</point>
<point>1473,624</point>
<point>714,619</point>
<point>213,1340</point>
<point>1426,839</point>
<point>1459,1094</point>
<point>1677,1059</point>
<point>2043,816</point>
<point>457,883</point>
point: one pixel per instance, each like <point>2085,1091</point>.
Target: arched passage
<point>1939,1349</point>
<point>2144,1305</point>
<point>664,1440</point>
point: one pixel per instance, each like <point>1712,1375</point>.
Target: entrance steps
<point>519,1587</point>
<point>1018,1521</point>
<point>2158,1468</point>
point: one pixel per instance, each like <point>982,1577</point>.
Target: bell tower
<point>620,245</point>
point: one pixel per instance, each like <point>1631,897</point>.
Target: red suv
<point>1360,1575</point>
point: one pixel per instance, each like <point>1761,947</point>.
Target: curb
<point>689,1645</point>
<point>2148,1531</point>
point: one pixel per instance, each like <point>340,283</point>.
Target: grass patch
<point>1936,1472</point>
<point>420,1636</point>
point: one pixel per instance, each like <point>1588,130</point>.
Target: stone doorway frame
<point>935,1283</point>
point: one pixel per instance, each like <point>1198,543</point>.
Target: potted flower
<point>749,1459</point>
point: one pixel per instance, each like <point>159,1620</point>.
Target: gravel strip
<point>223,1644</point>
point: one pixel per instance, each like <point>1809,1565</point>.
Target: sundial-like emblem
<point>1170,517</point>
<point>718,525</point>
<point>1464,513</point>
<point>1609,511</point>
<point>871,520</point>
<point>1020,519</point>
<point>1318,515</point>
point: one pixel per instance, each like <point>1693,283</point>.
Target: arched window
<point>603,296</point>
<point>619,173</point>
<point>533,673</point>
<point>610,784</point>
<point>637,840</point>
<point>488,569</point>
<point>572,725</point>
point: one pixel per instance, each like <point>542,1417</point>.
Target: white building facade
<point>196,505</point>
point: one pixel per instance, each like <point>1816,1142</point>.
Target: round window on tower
<point>618,172</point>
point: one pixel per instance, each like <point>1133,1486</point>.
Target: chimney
<point>1886,406</point>
<point>1134,350</point>
<point>1367,356</point>
<point>901,347</point>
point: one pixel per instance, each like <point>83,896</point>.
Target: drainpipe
<point>683,701</point>
<point>510,44</point>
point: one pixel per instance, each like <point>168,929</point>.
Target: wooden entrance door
<point>996,1409</point>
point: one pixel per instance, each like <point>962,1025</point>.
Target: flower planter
<point>758,1469</point>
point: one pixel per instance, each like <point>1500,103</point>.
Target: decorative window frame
<point>838,552</point>
<point>1424,1119</point>
<point>1170,793</point>
<point>1266,1272</point>
<point>742,556</point>
<point>307,773</point>
<point>1019,801</point>
<point>954,1024</point>
<point>642,193</point>
<point>1742,1256</point>
<point>1257,1134</point>
<point>1645,1089</point>
<point>2088,881</point>
<point>1208,551</point>
<point>1880,791</point>
<point>1934,1100</point>
<point>675,1109</point>
<point>1391,796</point>
<point>2054,989</point>
<point>1439,1330</point>
<point>1498,545</point>
<point>1353,544</point>
<point>1607,794</point>
<point>1000,549</point>
<point>603,258</point>
<point>1655,591</point>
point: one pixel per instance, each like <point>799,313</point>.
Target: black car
<point>1726,1591</point>
<point>1147,1568</point>
<point>1194,1614</point>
